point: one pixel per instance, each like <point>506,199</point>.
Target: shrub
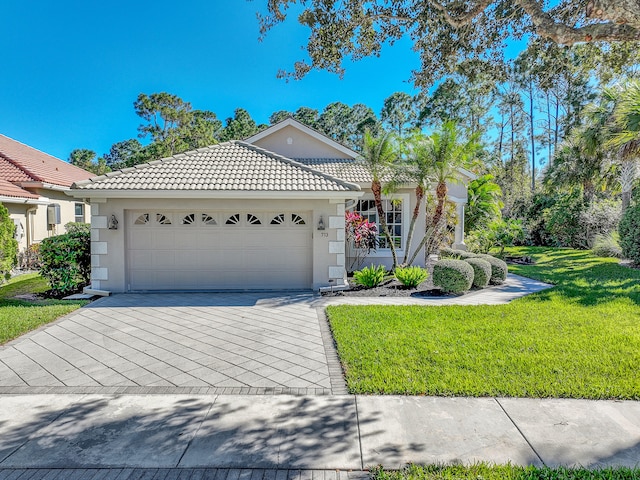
<point>446,252</point>
<point>481,271</point>
<point>66,261</point>
<point>8,244</point>
<point>499,269</point>
<point>607,246</point>
<point>411,276</point>
<point>601,218</point>
<point>29,258</point>
<point>630,233</point>
<point>370,276</point>
<point>77,227</point>
<point>453,276</point>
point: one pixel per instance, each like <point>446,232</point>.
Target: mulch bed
<point>391,288</point>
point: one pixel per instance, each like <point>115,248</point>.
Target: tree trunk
<point>441,195</point>
<point>412,225</point>
<point>376,188</point>
<point>533,138</point>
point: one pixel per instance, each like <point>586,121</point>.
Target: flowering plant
<point>362,237</point>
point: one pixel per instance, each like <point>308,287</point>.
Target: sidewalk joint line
<point>521,432</point>
<point>206,415</point>
<point>355,401</point>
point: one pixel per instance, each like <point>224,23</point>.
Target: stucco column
<point>458,243</point>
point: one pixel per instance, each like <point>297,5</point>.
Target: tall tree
<point>379,157</point>
<point>449,151</point>
<point>444,32</point>
<point>124,154</point>
<point>399,112</point>
<point>239,127</point>
<point>86,159</point>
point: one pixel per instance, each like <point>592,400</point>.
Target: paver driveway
<point>224,342</point>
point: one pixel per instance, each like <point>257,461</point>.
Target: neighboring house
<point>34,187</point>
<point>264,213</point>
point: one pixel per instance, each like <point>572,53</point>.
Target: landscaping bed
<point>580,339</point>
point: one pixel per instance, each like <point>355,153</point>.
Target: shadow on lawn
<point>589,283</point>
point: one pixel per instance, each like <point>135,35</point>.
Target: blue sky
<point>72,69</point>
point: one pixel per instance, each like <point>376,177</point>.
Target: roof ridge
<point>35,177</point>
<point>339,181</point>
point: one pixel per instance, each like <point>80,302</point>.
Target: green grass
<point>580,339</point>
<point>20,316</point>
<point>503,472</point>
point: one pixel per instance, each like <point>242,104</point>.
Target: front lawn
<point>20,316</point>
<point>580,339</point>
<point>503,472</point>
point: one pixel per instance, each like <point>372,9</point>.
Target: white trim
<point>291,122</point>
<point>244,194</point>
<point>25,201</point>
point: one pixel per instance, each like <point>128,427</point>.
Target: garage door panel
<point>199,256</point>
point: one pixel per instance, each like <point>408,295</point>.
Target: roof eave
<point>233,194</point>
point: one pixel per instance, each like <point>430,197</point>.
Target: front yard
<point>580,339</point>
<point>20,316</point>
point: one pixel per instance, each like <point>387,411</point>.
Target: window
<point>393,210</point>
<point>162,219</point>
<point>278,219</point>
<point>79,212</point>
<point>252,219</point>
<point>297,219</point>
<point>208,219</point>
<point>233,219</point>
<point>142,219</point>
<point>189,219</point>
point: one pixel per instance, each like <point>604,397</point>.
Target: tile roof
<point>8,189</point>
<point>22,163</point>
<point>229,166</point>
<point>345,168</point>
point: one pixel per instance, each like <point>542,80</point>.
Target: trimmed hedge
<point>8,245</point>
<point>446,252</point>
<point>629,229</point>
<point>452,276</point>
<point>481,271</point>
<point>499,269</point>
<point>66,261</point>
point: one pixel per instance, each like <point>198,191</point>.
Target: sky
<point>72,69</point>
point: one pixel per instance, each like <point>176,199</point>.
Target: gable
<point>292,139</point>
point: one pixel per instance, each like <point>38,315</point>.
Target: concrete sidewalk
<point>310,432</point>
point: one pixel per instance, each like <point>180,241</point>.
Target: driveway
<point>237,343</point>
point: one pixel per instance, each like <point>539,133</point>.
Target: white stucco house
<point>263,213</point>
<point>34,187</point>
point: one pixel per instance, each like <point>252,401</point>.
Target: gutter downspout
<point>30,212</point>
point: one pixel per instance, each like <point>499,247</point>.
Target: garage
<point>210,250</point>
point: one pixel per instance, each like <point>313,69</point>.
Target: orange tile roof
<point>36,165</point>
<point>8,189</point>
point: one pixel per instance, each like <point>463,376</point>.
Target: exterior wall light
<point>321,223</point>
<point>113,223</point>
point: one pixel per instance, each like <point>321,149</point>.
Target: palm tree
<point>483,204</point>
<point>448,152</point>
<point>416,167</point>
<point>379,157</point>
<point>625,135</point>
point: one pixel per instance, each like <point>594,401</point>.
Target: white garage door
<point>204,250</point>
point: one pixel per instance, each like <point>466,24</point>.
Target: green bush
<point>446,252</point>
<point>370,276</point>
<point>66,261</point>
<point>499,269</point>
<point>481,271</point>
<point>411,276</point>
<point>77,227</point>
<point>453,276</point>
<point>607,246</point>
<point>630,233</point>
<point>8,244</point>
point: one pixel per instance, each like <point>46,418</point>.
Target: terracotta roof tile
<point>36,165</point>
<point>229,166</point>
<point>8,189</point>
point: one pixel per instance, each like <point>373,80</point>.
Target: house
<point>264,213</point>
<point>34,188</point>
